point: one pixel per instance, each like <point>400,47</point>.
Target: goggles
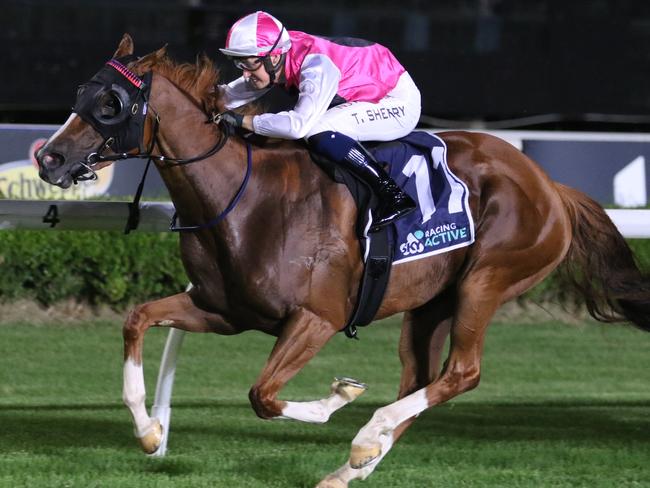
<point>248,64</point>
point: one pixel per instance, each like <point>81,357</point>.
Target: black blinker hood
<point>129,92</point>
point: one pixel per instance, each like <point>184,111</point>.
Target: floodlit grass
<point>558,406</point>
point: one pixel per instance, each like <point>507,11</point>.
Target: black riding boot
<point>342,149</point>
<point>393,202</point>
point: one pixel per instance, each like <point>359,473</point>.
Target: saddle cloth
<point>442,220</point>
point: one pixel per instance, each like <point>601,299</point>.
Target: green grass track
<point>558,406</point>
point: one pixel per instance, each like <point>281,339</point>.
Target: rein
<point>134,207</point>
<point>96,157</point>
<point>190,228</point>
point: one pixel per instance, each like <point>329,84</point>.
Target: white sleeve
<point>319,83</point>
<point>237,93</point>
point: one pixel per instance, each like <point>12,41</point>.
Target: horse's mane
<point>199,80</point>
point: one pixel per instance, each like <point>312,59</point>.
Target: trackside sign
<point>19,178</point>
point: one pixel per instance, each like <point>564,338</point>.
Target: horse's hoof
<point>362,456</point>
<point>348,388</point>
<point>332,482</point>
<point>152,438</point>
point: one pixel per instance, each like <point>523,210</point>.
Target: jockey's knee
<point>331,144</point>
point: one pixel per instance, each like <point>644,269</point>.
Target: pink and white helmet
<point>257,34</point>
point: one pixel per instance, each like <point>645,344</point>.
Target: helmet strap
<point>270,68</point>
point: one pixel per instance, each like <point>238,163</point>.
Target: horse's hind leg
<point>495,277</point>
<point>422,341</point>
<point>476,305</point>
<point>303,335</point>
<point>176,311</point>
<point>480,293</point>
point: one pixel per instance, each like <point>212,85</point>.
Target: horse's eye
<point>109,105</point>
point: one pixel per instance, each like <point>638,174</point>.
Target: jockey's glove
<point>232,118</point>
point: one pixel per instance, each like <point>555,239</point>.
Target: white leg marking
<point>387,418</point>
<point>379,432</point>
<point>317,412</point>
<point>344,390</point>
<point>134,395</point>
<point>347,473</point>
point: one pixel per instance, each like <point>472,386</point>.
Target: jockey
<point>349,90</point>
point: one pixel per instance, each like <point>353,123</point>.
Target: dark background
<point>558,64</point>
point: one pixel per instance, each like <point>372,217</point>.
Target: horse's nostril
<point>51,160</point>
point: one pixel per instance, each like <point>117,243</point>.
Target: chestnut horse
<point>281,256</point>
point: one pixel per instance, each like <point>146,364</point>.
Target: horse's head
<point>109,115</point>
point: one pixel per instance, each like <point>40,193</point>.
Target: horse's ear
<point>146,62</point>
<point>125,48</point>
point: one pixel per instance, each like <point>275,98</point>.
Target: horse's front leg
<point>176,311</point>
<point>301,338</point>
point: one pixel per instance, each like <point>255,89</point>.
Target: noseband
<point>115,103</point>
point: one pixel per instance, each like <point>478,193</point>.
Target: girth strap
<point>374,281</point>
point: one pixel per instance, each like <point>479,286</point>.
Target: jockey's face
<point>254,72</point>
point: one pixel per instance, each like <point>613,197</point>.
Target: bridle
<point>121,122</point>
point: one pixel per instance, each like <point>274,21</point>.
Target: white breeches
<point>392,117</point>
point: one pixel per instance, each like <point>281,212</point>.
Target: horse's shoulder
<point>291,160</point>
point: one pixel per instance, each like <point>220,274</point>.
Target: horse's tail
<point>601,266</point>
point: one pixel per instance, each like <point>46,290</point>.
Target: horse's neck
<point>204,186</point>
